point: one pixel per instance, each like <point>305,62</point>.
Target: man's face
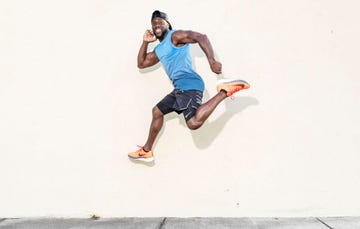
<point>159,27</point>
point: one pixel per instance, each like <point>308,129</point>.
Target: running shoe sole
<point>149,159</point>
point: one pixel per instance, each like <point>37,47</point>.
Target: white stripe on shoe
<point>149,159</point>
<point>226,81</point>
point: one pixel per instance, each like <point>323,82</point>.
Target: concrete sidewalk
<point>181,223</point>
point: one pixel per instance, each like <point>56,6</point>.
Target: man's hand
<point>146,59</point>
<point>215,67</point>
<point>149,36</point>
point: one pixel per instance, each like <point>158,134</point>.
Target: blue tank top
<point>178,65</point>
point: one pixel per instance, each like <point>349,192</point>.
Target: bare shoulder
<point>184,36</point>
<point>181,33</point>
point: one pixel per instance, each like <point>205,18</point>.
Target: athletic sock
<point>224,91</point>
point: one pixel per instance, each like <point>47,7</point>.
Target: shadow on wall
<point>205,135</point>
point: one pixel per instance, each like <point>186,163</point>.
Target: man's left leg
<point>205,110</point>
<point>225,89</point>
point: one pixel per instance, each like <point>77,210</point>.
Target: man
<point>174,54</point>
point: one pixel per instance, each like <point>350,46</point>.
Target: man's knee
<point>156,112</point>
<point>193,124</point>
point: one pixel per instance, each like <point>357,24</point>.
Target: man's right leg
<point>145,153</point>
<point>155,127</point>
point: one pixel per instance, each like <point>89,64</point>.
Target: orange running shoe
<point>141,155</point>
<point>231,86</point>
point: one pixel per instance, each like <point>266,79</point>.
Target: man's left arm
<point>181,37</point>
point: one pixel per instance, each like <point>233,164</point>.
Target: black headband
<point>162,15</point>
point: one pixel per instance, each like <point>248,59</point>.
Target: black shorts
<point>186,102</point>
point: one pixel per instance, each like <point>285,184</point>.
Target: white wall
<point>73,104</point>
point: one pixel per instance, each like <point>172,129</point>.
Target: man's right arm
<point>147,59</point>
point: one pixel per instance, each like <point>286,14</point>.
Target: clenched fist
<point>215,67</point>
<point>149,36</point>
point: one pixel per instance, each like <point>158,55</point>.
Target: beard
<point>161,35</point>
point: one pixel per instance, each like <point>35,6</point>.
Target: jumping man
<point>174,53</point>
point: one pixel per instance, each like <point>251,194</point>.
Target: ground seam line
<point>162,223</point>
<point>324,223</point>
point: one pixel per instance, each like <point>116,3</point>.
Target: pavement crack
<point>324,223</point>
<point>162,223</point>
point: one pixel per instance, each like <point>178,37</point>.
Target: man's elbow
<point>141,65</point>
<point>203,38</point>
